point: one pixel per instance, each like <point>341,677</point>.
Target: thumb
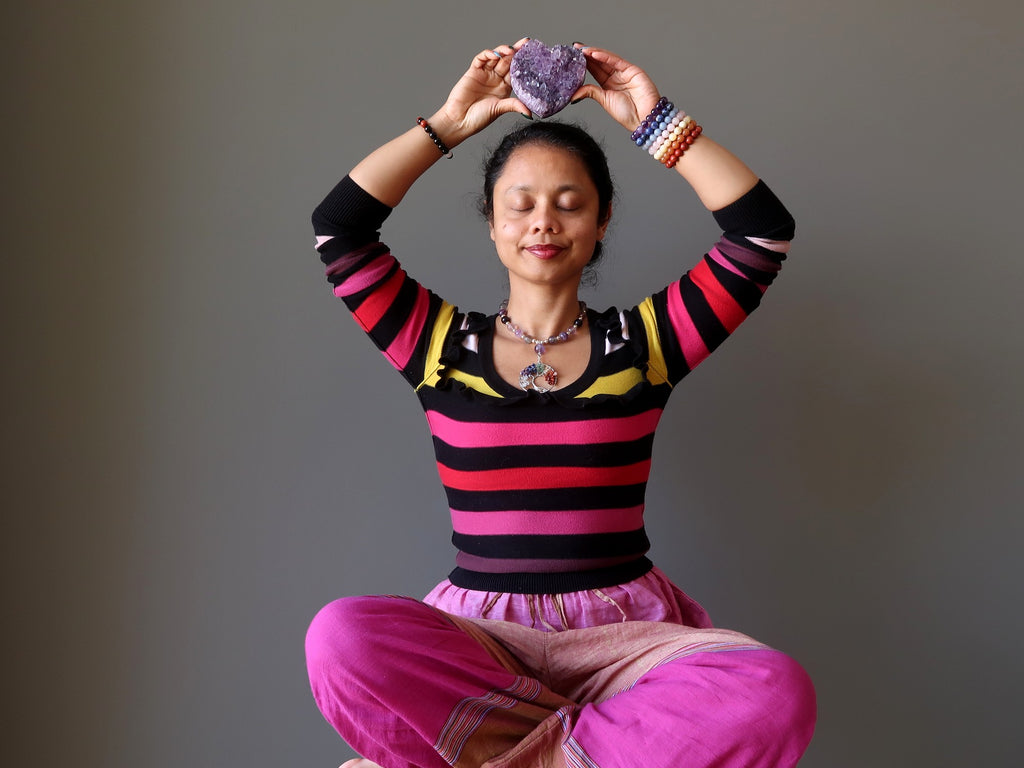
<point>512,104</point>
<point>589,91</point>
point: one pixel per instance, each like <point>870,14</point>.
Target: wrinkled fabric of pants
<point>588,679</point>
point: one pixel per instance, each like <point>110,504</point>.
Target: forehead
<point>541,166</point>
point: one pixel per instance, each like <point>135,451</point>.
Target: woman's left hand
<point>624,90</point>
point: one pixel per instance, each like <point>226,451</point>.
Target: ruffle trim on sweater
<point>608,327</point>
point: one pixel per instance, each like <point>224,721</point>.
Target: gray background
<point>200,449</point>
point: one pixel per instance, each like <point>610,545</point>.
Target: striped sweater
<point>546,491</point>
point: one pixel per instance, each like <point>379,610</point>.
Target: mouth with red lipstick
<point>545,250</point>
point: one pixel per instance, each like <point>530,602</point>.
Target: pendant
<point>539,370</point>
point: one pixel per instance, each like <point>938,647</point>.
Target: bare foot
<point>359,762</point>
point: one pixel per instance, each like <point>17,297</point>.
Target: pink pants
<point>409,685</point>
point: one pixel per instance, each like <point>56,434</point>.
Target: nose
<point>545,218</point>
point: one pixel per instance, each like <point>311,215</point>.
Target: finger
<point>520,43</point>
<point>503,65</point>
<point>600,69</point>
<point>486,59</point>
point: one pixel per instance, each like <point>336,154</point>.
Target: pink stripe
<point>719,258</point>
<point>401,348</point>
<point>694,348</point>
<point>778,246</point>
<point>477,434</point>
<point>548,522</point>
<point>365,277</point>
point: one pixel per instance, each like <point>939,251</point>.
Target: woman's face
<point>546,218</point>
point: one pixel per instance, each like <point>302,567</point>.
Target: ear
<point>602,226</point>
<point>490,227</point>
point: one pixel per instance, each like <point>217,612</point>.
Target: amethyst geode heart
<point>544,78</point>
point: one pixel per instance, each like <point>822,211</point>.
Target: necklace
<point>540,370</point>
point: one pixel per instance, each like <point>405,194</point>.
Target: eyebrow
<point>528,188</point>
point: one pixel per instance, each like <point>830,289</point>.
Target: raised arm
<point>480,96</point>
<point>628,94</point>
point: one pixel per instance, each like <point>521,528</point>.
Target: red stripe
<point>725,307</point>
<point>543,477</point>
<point>369,313</point>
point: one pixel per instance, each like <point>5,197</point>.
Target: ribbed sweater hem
<point>550,583</point>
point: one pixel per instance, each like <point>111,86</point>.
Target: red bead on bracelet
<point>434,137</point>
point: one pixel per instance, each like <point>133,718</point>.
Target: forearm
<point>716,174</point>
<point>389,172</point>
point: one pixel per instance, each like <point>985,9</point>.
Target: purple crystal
<point>545,78</point>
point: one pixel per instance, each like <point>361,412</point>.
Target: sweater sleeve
<point>407,322</point>
<point>689,319</point>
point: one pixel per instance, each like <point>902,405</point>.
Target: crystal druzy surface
<point>545,78</point>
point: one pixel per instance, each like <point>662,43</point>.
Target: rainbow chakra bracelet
<point>666,133</point>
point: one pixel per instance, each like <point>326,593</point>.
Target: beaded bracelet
<point>434,137</point>
<point>666,133</point>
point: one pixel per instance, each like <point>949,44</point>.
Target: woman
<point>554,641</point>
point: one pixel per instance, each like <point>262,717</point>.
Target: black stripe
<point>746,294</point>
<point>505,457</point>
<point>576,546</point>
<point>758,213</point>
<point>350,212</point>
<point>551,583</point>
<point>390,325</point>
<point>710,328</point>
<point>598,497</point>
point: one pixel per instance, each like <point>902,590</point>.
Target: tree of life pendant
<point>540,370</point>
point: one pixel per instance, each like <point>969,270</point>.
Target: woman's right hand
<point>480,96</point>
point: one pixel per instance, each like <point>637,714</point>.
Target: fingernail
<point>577,101</point>
<point>496,54</point>
<point>528,117</point>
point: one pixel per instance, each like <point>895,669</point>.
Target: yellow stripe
<point>614,384</point>
<point>657,371</point>
<point>436,346</point>
<point>471,381</point>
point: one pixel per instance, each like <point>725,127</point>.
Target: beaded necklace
<point>540,370</point>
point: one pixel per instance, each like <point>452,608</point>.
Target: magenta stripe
<point>747,256</point>
<point>694,348</point>
<point>373,272</point>
<point>404,344</point>
<point>476,434</point>
<point>548,522</point>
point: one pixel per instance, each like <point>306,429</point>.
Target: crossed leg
<point>408,686</point>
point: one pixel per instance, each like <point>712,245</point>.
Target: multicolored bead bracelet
<point>666,133</point>
<point>422,123</point>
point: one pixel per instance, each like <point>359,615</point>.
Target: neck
<point>543,313</point>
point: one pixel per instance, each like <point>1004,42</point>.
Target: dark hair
<point>565,136</point>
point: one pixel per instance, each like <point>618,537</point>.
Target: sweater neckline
<point>508,390</point>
